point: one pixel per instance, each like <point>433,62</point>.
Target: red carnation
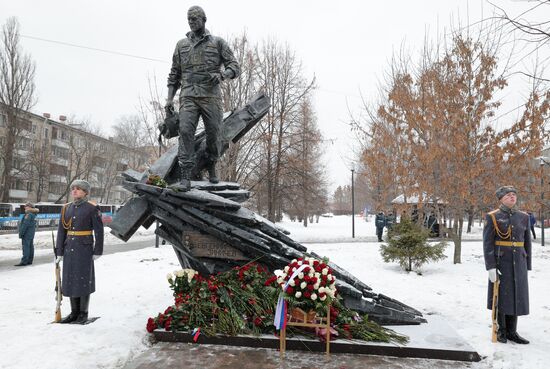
<point>270,280</point>
<point>290,290</point>
<point>324,278</point>
<point>258,321</point>
<point>161,319</point>
<point>314,280</point>
<point>307,294</point>
<point>168,310</point>
<point>310,287</point>
<point>168,324</point>
<point>151,325</point>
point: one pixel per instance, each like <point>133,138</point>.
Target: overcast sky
<point>345,44</point>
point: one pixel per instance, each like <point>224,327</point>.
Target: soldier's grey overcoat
<point>513,262</point>
<point>77,251</point>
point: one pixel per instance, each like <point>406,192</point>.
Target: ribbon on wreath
<point>280,312</point>
<point>196,333</point>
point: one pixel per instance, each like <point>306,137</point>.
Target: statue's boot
<point>83,314</point>
<point>185,181</point>
<point>511,328</point>
<point>501,333</point>
<point>75,309</point>
<point>212,177</point>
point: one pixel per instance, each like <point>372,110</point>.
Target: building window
<point>45,133</point>
<point>2,120</point>
<point>60,152</point>
<point>54,133</point>
<point>34,128</point>
<point>29,186</point>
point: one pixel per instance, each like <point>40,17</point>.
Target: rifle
<point>494,311</point>
<point>58,295</point>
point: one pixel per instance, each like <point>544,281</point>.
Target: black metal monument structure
<point>211,231</point>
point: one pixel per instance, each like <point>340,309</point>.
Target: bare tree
<point>16,97</point>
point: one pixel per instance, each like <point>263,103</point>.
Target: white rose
<point>311,273</point>
<point>323,298</point>
<point>169,276</point>
<point>324,271</point>
<point>303,285</point>
<point>300,262</point>
<point>293,261</point>
<point>317,275</point>
<point>278,272</point>
<point>298,294</point>
<point>284,275</point>
<point>280,280</point>
<point>301,275</point>
<point>291,283</point>
<point>321,289</point>
<point>313,296</point>
<point>316,286</point>
<point>287,269</point>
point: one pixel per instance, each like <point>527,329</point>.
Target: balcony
<point>19,194</point>
<point>60,143</point>
<point>57,178</point>
<point>59,161</point>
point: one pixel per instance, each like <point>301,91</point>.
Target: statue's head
<point>196,18</point>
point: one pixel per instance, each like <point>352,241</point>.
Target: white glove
<point>58,259</point>
<point>492,275</point>
<point>96,257</point>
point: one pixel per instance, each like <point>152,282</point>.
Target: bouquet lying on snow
<point>242,301</point>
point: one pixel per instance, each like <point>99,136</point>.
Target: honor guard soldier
<point>507,252</point>
<point>79,243</point>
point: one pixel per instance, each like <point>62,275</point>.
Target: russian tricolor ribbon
<point>280,312</point>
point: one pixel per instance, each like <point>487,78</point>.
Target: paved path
<point>8,264</point>
<point>183,355</point>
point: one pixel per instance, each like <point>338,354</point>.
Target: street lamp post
<point>352,206</point>
<point>542,163</point>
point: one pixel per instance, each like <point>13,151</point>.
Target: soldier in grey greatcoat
<point>196,68</point>
<point>79,243</point>
<point>507,252</point>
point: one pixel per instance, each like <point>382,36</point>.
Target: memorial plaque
<point>204,245</point>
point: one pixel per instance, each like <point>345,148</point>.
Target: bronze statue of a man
<point>196,69</point>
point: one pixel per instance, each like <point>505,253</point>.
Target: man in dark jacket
<point>80,221</point>
<point>380,223</point>
<point>27,227</point>
<point>196,69</point>
<point>507,252</point>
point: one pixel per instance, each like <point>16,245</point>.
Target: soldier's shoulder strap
<point>93,203</point>
<point>493,218</point>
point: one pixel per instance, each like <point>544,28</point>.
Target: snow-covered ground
<point>131,286</point>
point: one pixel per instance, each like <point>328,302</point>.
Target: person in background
<point>77,247</point>
<point>27,227</point>
<point>507,254</point>
<point>380,223</point>
<point>390,220</point>
<point>532,222</point>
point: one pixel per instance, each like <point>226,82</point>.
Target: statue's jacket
<point>508,249</point>
<point>196,63</point>
<point>79,237</point>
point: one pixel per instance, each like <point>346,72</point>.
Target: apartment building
<point>50,153</point>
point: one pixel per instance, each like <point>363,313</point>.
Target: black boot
<point>185,182</point>
<point>75,309</point>
<point>501,333</point>
<point>511,330</point>
<point>83,314</point>
<point>212,177</point>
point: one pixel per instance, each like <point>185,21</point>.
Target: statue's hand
<point>169,102</point>
<point>227,74</point>
<point>216,78</point>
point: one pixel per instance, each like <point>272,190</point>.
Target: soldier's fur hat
<point>503,190</point>
<point>82,184</point>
